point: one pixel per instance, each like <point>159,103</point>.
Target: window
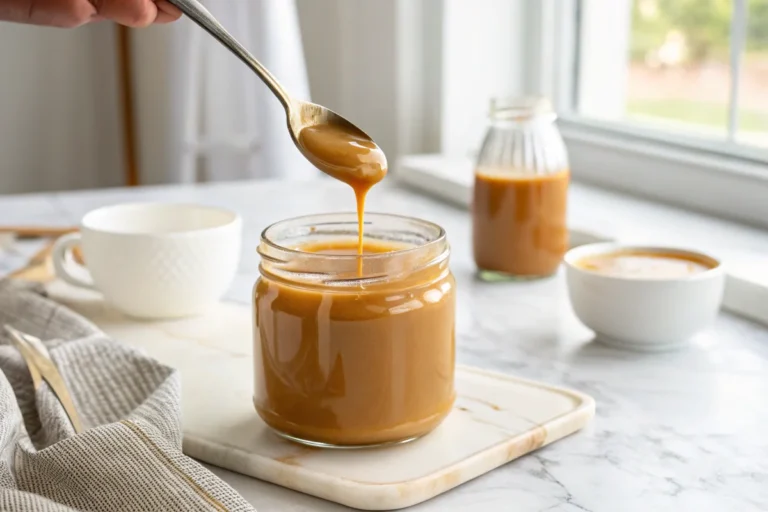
<point>664,99</point>
<point>689,67</point>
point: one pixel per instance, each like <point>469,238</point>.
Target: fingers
<point>133,13</point>
<point>73,13</point>
<point>136,13</point>
<point>53,13</point>
<point>166,12</point>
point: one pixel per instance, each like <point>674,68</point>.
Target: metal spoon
<point>300,114</point>
<point>42,368</point>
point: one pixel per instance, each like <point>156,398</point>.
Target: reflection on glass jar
<point>520,193</point>
<point>345,357</point>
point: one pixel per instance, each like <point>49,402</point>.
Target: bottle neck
<point>522,122</point>
<point>526,146</point>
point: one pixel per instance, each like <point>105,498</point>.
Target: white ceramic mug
<point>154,260</point>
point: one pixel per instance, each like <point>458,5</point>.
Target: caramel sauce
<point>356,366</point>
<point>519,222</point>
<point>350,157</point>
<point>347,248</point>
<point>645,265</point>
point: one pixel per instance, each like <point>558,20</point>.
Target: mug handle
<point>67,269</point>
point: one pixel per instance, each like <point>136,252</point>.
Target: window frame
<point>721,179</point>
<point>690,174</point>
<point>563,26</point>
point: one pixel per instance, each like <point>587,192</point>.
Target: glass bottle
<point>520,193</point>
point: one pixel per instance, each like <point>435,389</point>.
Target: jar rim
<point>426,246</point>
<point>438,239</point>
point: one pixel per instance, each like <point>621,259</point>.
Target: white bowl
<point>643,314</point>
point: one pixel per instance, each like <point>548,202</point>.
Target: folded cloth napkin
<point>129,458</point>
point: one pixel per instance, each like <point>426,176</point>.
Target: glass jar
<point>348,357</point>
<point>520,193</point>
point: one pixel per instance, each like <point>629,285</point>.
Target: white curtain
<point>59,109</point>
<point>202,114</point>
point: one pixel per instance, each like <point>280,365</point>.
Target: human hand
<point>73,13</point>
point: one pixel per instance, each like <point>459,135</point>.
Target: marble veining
<point>674,431</point>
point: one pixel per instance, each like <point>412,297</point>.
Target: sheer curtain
<point>59,109</point>
<point>202,114</point>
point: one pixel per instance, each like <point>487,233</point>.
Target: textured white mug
<point>154,260</point>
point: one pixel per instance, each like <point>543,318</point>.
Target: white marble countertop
<point>676,431</point>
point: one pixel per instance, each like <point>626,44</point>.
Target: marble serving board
<point>496,418</point>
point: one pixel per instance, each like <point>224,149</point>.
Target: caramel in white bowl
<point>643,298</point>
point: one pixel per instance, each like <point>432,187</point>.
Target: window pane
<point>679,72</point>
<point>753,87</point>
<point>665,64</point>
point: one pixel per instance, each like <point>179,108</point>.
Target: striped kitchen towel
<point>129,457</point>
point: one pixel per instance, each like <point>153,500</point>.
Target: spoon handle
<point>200,15</point>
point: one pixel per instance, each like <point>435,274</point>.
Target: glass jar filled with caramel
<point>520,193</point>
<point>354,350</point>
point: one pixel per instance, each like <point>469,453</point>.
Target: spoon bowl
<point>303,114</point>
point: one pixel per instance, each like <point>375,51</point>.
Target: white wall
<point>59,109</point>
<point>415,74</point>
<point>482,58</point>
<point>350,48</point>
<point>379,64</point>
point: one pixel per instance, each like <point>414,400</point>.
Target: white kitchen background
<point>61,125</point>
<point>60,104</point>
<point>417,75</point>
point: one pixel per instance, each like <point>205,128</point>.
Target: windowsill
<point>599,215</point>
<point>719,181</point>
